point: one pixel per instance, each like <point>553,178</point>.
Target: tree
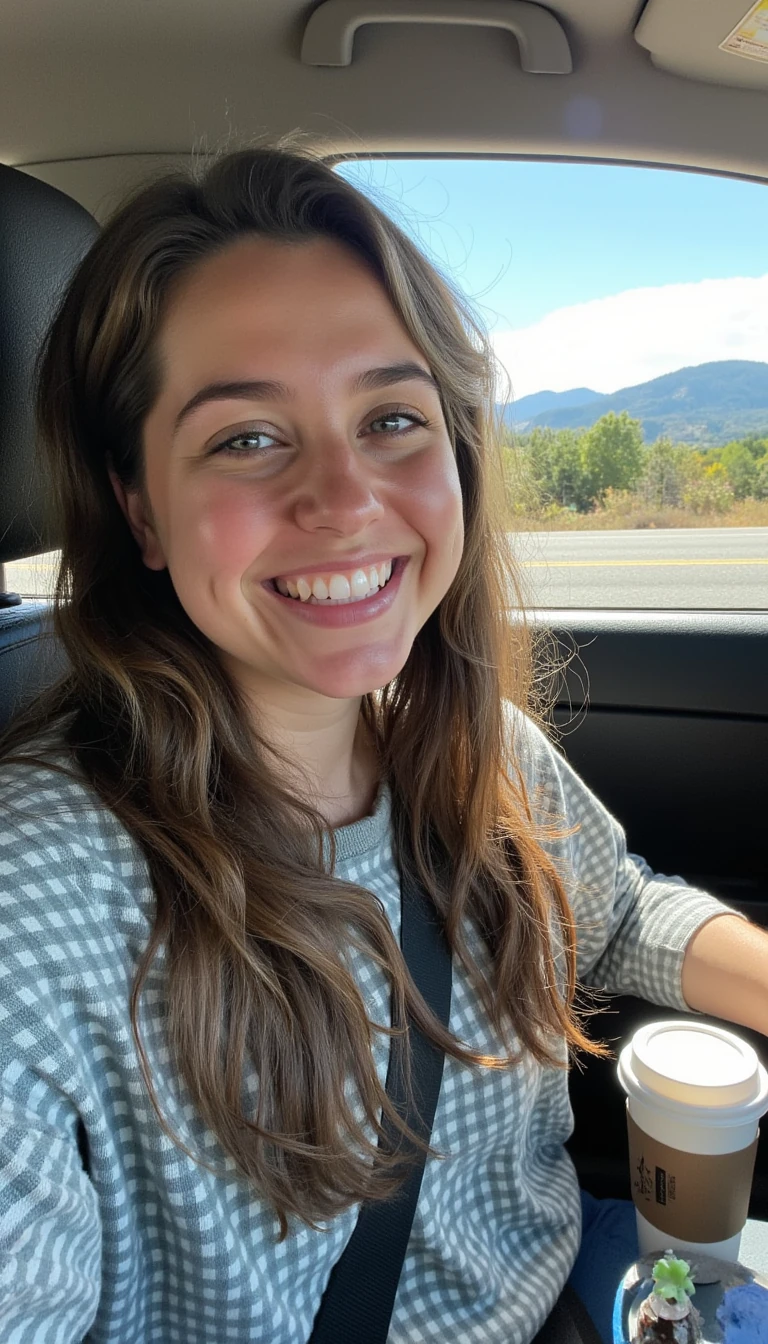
<point>613,453</point>
<point>668,469</point>
<point>740,468</point>
<point>558,468</point>
<point>757,445</point>
<point>520,485</point>
<point>760,488</point>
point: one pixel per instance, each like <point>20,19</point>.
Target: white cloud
<point>629,338</point>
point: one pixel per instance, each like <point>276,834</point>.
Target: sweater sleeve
<point>50,1222</point>
<point>633,925</point>
<point>50,1231</point>
<point>50,1234</point>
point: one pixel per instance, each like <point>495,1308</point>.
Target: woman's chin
<point>346,689</point>
<point>346,682</point>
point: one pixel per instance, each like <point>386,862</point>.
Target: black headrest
<point>43,236</point>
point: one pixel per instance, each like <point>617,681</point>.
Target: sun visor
<point>723,43</point>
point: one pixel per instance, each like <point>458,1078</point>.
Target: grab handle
<point>330,31</point>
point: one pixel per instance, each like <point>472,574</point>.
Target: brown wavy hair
<point>253,924</point>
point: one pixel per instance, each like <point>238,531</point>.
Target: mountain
<point>520,413</point>
<point>707,404</point>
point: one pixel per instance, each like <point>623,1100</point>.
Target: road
<point>713,567</point>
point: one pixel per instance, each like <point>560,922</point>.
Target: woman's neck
<point>358,800</point>
<point>336,758</point>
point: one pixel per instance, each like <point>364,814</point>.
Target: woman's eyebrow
<point>264,389</point>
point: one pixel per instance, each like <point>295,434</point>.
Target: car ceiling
<point>98,94</point>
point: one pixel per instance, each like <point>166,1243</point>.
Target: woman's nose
<point>338,490</point>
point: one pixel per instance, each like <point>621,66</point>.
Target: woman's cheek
<point>435,508</point>
<point>228,532</point>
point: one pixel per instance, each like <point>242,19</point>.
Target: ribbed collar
<point>366,835</point>
<point>352,841</point>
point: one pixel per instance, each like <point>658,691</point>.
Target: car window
<point>628,311</point>
<point>34,577</point>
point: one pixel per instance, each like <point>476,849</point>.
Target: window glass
<point>35,577</point>
<point>628,312</point>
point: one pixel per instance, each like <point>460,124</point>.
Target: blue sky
<point>588,274</point>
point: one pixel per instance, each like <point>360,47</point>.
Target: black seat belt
<point>356,1307</point>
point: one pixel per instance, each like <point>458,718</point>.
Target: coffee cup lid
<point>696,1064</point>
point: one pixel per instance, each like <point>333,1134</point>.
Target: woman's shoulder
<point>529,749</point>
<point>74,886</point>
<point>41,780</point>
<point>549,778</point>
<point>52,820</point>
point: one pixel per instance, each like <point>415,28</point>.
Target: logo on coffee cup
<point>644,1183</point>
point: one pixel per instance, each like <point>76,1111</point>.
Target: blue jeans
<point>608,1248</point>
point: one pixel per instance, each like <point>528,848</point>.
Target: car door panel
<point>673,737</point>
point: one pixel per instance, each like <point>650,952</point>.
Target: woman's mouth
<point>344,611</point>
<point>336,589</point>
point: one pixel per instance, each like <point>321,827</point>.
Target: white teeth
<point>359,584</point>
<point>339,587</point>
<point>362,583</point>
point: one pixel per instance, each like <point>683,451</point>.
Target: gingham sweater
<point>150,1247</point>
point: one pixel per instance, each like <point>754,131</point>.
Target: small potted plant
<point>667,1315</point>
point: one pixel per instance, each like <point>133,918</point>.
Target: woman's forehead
<point>283,303</point>
<point>275,271</point>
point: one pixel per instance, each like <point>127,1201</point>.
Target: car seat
<point>43,236</point>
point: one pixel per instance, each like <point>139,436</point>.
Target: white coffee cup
<point>695,1094</point>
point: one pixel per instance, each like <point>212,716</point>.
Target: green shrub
<point>709,493</point>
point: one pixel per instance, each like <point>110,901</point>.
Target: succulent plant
<point>671,1279</point>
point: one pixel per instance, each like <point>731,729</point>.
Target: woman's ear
<point>138,517</point>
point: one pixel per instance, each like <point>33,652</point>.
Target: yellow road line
<point>629,564</point>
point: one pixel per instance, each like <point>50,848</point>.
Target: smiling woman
<point>291,467</point>
<point>256,383</point>
<point>224,725</point>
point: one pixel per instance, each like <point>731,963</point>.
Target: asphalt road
<point>722,568</point>
<point>714,567</point>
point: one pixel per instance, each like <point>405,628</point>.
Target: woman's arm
<point>634,925</point>
<point>725,971</point>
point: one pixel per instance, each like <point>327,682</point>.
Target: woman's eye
<point>246,441</point>
<point>249,442</point>
<point>392,419</point>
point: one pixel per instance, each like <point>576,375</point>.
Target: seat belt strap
<point>360,1294</point>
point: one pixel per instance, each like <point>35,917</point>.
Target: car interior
<point>663,713</point>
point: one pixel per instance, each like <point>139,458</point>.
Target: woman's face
<point>297,436</point>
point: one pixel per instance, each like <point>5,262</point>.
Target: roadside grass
<point>744,513</point>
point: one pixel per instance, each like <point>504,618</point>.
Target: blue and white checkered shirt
<point>150,1247</point>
